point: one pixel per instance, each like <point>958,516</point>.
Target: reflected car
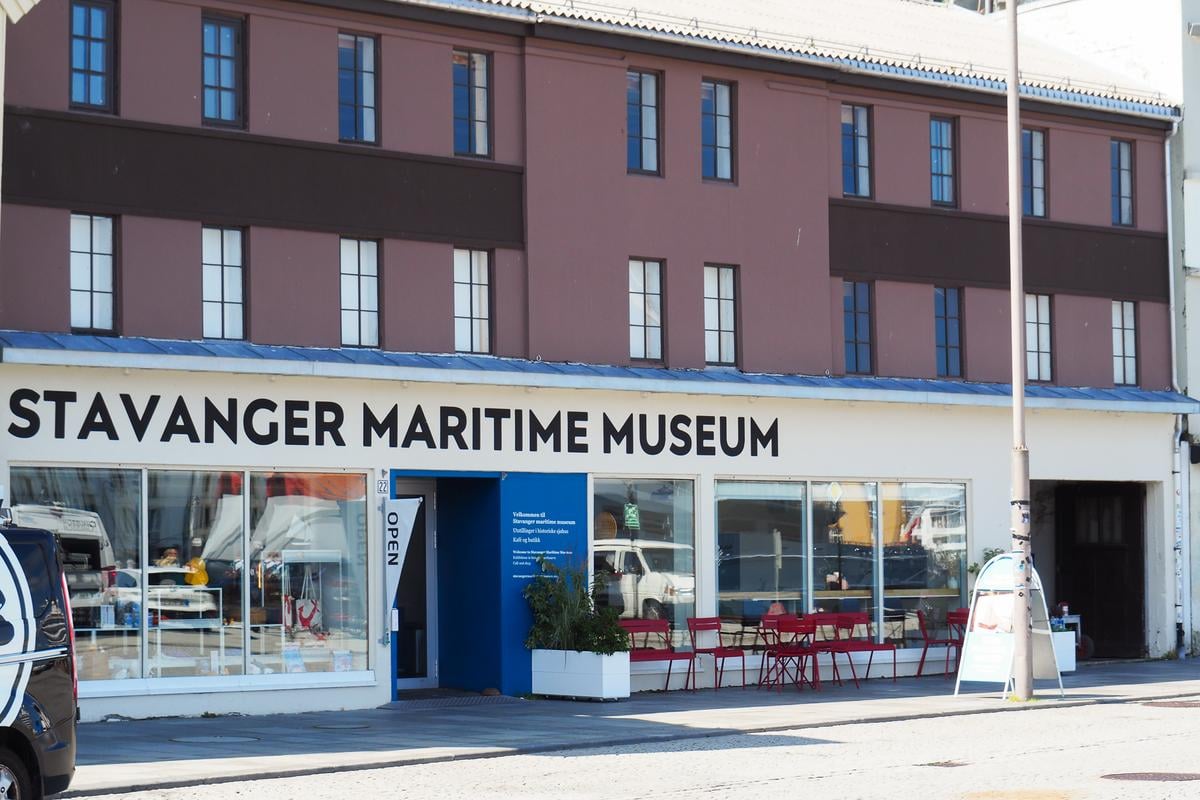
<point>653,576</point>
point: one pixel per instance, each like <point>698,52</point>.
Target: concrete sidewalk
<point>136,755</point>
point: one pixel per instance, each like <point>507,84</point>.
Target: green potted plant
<point>579,649</point>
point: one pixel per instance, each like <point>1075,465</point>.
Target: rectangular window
<point>1122,182</point>
<point>645,309</point>
<point>356,88</point>
<point>924,545</point>
<point>1033,173</point>
<point>643,549</point>
<point>1037,337</point>
<point>471,104</point>
<point>720,315</point>
<point>641,121</point>
<point>856,325</point>
<point>941,161</point>
<point>762,551</point>
<point>856,151</point>
<point>472,302</point>
<point>162,560</point>
<point>947,321</point>
<point>1124,336</point>
<point>360,293</point>
<point>716,130</point>
<point>224,284</point>
<point>843,520</point>
<point>93,46</point>
<point>92,273</point>
<point>96,515</point>
<point>223,40</point>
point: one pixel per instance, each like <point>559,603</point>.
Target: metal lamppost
<point>1022,632</point>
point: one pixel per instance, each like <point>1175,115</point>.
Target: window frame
<point>491,296</point>
<point>953,148</point>
<point>1115,180</point>
<point>115,261</point>
<point>491,102</point>
<point>733,138</point>
<point>662,310</point>
<point>1045,187</point>
<point>945,320</point>
<point>737,344</point>
<point>658,121</point>
<point>223,302</point>
<point>870,314</point>
<point>375,66</point>
<point>358,276</point>
<point>869,112</point>
<point>111,67</point>
<point>1049,325</point>
<point>240,70</point>
<point>1127,326</point>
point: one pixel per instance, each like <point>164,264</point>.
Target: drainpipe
<point>1181,482</point>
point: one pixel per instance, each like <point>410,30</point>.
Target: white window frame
<point>720,314</point>
<point>92,273</point>
<point>1039,362</point>
<point>359,279</point>
<point>1037,172</point>
<point>223,291</point>
<point>472,301</point>
<point>1124,337</point>
<point>646,309</point>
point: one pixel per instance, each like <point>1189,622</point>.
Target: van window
<point>632,565</point>
<point>35,563</point>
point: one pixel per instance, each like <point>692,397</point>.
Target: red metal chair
<point>655,645</point>
<point>825,637</point>
<point>849,643</point>
<point>797,646</point>
<point>950,642</point>
<point>719,652</point>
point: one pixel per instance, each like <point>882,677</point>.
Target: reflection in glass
<point>924,555</point>
<point>308,575</point>
<point>96,515</point>
<point>194,580</point>
<point>843,546</point>
<point>643,547</point>
<point>761,555</point>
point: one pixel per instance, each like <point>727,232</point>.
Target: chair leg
<point>946,673</point>
<point>667,687</point>
<point>893,665</point>
<point>743,669</point>
<point>921,665</point>
<point>870,660</point>
<point>853,671</point>
<point>718,672</point>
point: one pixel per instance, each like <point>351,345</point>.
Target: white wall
<point>817,439</point>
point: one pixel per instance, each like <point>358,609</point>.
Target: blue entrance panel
<point>540,514</point>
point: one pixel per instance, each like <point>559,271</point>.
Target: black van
<point>38,687</point>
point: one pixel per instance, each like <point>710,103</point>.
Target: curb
<point>600,743</point>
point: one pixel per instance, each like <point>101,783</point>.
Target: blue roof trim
<point>59,342</point>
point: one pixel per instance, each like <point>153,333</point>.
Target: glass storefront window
<point>644,548</point>
<point>308,573</point>
<point>844,546</point>
<point>924,555</point>
<point>97,516</point>
<point>762,557</point>
<point>194,579</point>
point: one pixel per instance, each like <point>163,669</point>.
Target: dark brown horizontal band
<point>92,163</point>
<point>899,243</point>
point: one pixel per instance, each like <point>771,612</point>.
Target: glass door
<point>414,643</point>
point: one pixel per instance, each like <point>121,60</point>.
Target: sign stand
<point>987,649</point>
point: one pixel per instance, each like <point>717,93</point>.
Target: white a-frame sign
<point>987,651</point>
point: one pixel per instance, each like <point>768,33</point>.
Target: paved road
<point>1048,754</point>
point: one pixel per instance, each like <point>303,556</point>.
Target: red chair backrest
<point>660,628</point>
<point>921,622</point>
<point>849,622</point>
<point>704,623</point>
<point>825,621</point>
<point>795,629</point>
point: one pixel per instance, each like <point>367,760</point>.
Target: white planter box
<point>568,673</point>
<point>1064,650</point>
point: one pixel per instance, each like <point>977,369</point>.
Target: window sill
<point>137,687</point>
<point>719,181</point>
<point>643,173</point>
<point>476,156</point>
